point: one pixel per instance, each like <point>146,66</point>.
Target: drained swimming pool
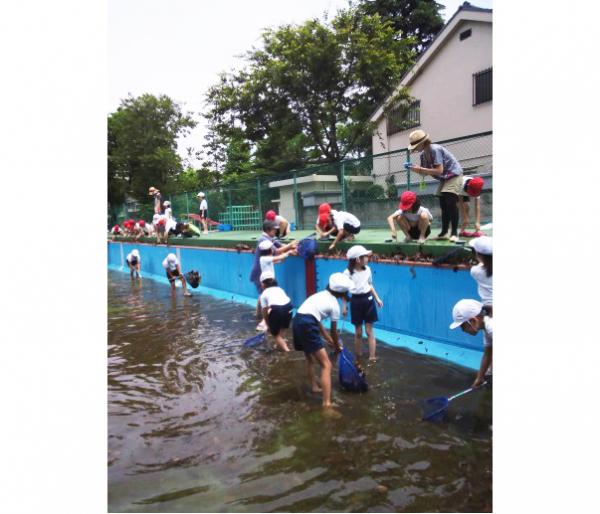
<point>196,428</point>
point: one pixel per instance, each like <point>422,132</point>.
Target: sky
<point>179,47</point>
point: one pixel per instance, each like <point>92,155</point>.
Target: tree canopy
<point>142,145</point>
<point>305,97</point>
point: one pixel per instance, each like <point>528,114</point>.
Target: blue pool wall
<point>418,300</point>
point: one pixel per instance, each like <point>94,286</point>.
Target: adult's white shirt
<point>362,279</point>
<point>413,217</point>
<point>485,287</point>
<point>342,217</point>
<point>321,305</point>
<point>273,296</point>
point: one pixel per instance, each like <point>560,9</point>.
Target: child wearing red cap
<point>413,218</point>
<point>115,231</point>
<point>325,226</point>
<point>472,187</point>
<point>282,226</point>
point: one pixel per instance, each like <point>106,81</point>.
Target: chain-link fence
<point>368,187</point>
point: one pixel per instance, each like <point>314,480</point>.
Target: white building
<point>451,83</point>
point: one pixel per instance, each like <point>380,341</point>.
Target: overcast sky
<point>179,47</point>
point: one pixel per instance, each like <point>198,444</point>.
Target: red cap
<point>116,228</point>
<point>407,200</point>
<point>142,223</point>
<point>474,186</point>
<point>161,221</point>
<point>324,207</point>
<point>270,215</point>
<point>323,220</point>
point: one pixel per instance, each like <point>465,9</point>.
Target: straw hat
<point>417,137</point>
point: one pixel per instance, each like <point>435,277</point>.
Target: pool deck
<point>373,239</point>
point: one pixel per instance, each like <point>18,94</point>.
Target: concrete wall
<point>445,88</point>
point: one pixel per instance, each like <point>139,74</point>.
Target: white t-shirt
<point>321,305</point>
<point>168,213</point>
<point>487,331</point>
<point>279,219</point>
<point>362,279</point>
<point>413,217</point>
<point>485,287</point>
<point>203,205</point>
<point>341,217</point>
<point>273,296</point>
<point>170,265</point>
<point>266,264</point>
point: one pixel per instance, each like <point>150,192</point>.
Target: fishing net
<point>352,378</point>
<point>435,409</point>
<point>193,278</point>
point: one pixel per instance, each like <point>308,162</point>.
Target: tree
<point>307,94</point>
<point>418,19</point>
<point>142,145</point>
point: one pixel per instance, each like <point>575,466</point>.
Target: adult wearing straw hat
<point>203,211</point>
<point>155,193</point>
<point>439,163</point>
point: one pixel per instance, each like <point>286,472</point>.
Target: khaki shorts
<point>452,185</point>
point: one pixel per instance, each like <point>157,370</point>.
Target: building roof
<point>466,12</point>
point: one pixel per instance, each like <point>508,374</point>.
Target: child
<point>115,231</point>
<point>276,308</point>
<point>203,212</point>
<point>168,211</point>
<point>347,226</point>
<point>364,297</point>
<point>282,225</point>
<point>141,229</point>
<point>134,263</point>
<point>267,235</point>
<point>159,223</point>
<point>472,187</point>
<point>267,261</point>
<point>309,331</point>
<point>414,220</point>
<point>171,265</point>
<point>482,272</point>
<point>472,316</point>
<point>325,227</point>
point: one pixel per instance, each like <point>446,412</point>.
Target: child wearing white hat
<point>267,262</point>
<point>482,272</point>
<point>173,269</point>
<point>203,211</point>
<point>309,331</point>
<point>472,316</point>
<point>134,262</point>
<point>276,309</point>
<point>364,297</point>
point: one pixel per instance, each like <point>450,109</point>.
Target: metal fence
<point>369,187</point>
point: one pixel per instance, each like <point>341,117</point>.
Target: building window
<point>465,34</point>
<point>404,116</point>
<point>482,86</point>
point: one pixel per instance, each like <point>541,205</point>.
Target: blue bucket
<point>224,227</point>
<point>292,226</point>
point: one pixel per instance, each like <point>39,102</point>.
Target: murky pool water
<point>192,428</point>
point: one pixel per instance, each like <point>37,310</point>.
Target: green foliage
<point>306,96</point>
<point>417,19</point>
<point>142,144</point>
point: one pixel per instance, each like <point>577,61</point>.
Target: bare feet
<point>316,389</point>
<point>330,412</point>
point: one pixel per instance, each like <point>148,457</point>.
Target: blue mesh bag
<point>351,378</point>
<point>307,248</point>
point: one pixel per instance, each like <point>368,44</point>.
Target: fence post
<point>259,199</point>
<point>187,205</point>
<point>343,181</point>
<point>296,217</point>
<point>408,171</point>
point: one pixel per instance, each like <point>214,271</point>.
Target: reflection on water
<point>195,427</point>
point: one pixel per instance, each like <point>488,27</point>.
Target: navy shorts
<point>279,317</point>
<point>363,309</point>
<point>171,275</point>
<point>415,233</point>
<point>351,229</point>
<point>133,262</point>
<point>307,337</point>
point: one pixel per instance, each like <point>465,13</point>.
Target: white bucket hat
<point>482,245</point>
<point>265,245</point>
<point>465,310</point>
<point>200,194</point>
<point>266,275</point>
<point>166,203</point>
<point>417,137</point>
<point>136,252</point>
<point>171,257</point>
<point>357,251</point>
<point>340,283</point>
